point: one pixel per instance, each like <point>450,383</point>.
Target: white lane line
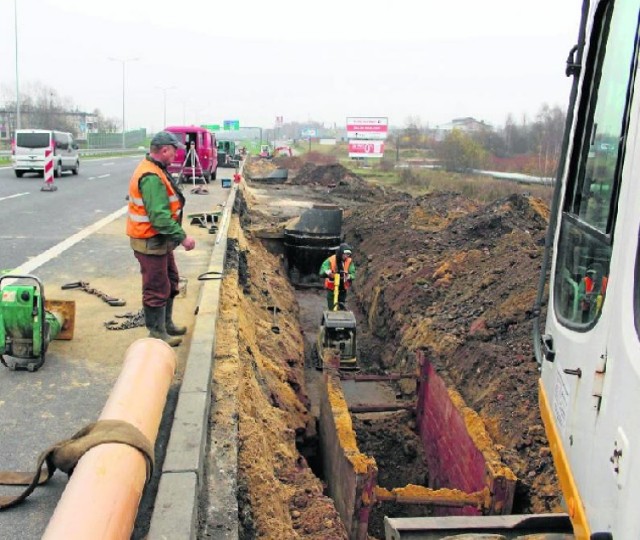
<point>104,175</point>
<point>107,164</point>
<point>91,178</point>
<point>56,250</point>
<point>14,196</point>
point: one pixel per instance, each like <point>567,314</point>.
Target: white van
<point>29,146</point>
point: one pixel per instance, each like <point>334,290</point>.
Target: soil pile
<point>326,175</point>
<point>341,183</point>
<point>258,168</point>
<point>457,279</point>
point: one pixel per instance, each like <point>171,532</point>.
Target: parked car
<point>29,146</point>
<point>203,164</point>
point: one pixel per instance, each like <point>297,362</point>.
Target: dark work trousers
<point>159,278</point>
<point>342,298</point>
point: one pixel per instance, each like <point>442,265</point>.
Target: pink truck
<point>199,160</point>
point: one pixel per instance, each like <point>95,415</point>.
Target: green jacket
<point>326,266</point>
<point>156,202</point>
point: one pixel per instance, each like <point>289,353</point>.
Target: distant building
<point>466,125</point>
<point>80,123</point>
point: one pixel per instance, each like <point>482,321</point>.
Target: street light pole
<point>123,61</point>
<point>164,92</point>
<point>15,14</point>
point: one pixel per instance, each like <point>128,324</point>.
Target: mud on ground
<point>441,273</point>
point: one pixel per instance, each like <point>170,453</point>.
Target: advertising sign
<point>367,127</point>
<point>366,149</point>
<point>309,132</point>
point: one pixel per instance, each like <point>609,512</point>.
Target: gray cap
<point>165,138</point>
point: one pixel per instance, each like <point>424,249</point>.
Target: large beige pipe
<point>102,497</point>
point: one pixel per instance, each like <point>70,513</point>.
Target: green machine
<point>227,155</point>
<point>28,322</point>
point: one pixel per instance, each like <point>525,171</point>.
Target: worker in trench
<point>155,230</point>
<point>342,264</point>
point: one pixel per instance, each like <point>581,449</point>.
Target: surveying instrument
<point>192,160</point>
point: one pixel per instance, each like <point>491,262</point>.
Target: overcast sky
<point>302,60</point>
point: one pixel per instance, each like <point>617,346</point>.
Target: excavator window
<point>595,166</point>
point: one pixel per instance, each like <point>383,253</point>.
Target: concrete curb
<point>175,514</point>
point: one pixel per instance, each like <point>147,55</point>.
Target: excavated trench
<point>388,437</point>
<point>317,469</point>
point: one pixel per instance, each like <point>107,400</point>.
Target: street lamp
<point>164,92</point>
<point>123,61</point>
<point>15,15</point>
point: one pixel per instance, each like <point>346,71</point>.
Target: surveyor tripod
<point>192,160</point>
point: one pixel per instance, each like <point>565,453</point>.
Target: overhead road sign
<point>211,127</point>
<point>231,125</point>
<point>367,127</point>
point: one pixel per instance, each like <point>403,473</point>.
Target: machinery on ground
<point>228,155</point>
<point>28,322</point>
<point>337,334</point>
<point>265,151</point>
<point>283,151</point>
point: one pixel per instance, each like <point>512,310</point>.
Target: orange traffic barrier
<point>102,497</point>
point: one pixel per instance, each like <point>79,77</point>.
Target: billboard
<point>367,127</point>
<point>366,149</point>
<point>309,132</point>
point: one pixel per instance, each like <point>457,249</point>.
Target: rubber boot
<point>172,329</point>
<point>154,320</point>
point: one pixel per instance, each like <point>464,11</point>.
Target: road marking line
<point>107,164</point>
<point>91,178</point>
<point>104,175</point>
<point>58,249</point>
<point>14,196</point>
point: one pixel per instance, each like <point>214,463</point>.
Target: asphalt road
<point>33,221</point>
<point>77,233</point>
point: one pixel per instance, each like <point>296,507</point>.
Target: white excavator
<point>588,349</point>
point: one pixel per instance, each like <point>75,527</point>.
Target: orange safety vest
<point>328,283</point>
<point>138,224</point>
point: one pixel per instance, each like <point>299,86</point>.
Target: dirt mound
<point>287,162</point>
<point>258,168</point>
<point>326,175</point>
<point>457,279</point>
<point>341,184</point>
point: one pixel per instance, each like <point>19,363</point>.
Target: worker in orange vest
<point>591,294</point>
<point>340,262</point>
<point>154,227</point>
